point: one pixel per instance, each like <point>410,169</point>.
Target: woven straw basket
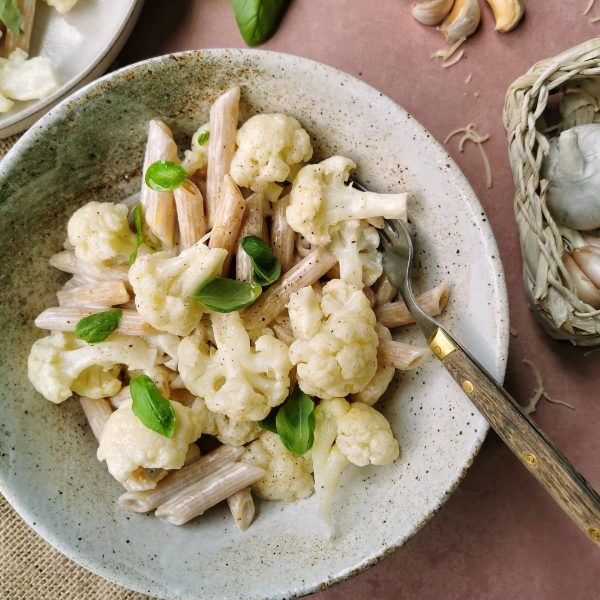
<point>550,291</point>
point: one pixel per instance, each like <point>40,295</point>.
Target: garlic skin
<point>431,12</point>
<point>572,169</point>
<point>585,289</point>
<point>462,20</point>
<point>507,13</point>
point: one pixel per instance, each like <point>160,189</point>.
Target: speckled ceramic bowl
<point>91,147</point>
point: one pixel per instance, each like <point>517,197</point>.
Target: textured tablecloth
<point>499,537</point>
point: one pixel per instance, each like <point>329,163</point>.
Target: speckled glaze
<point>91,147</point>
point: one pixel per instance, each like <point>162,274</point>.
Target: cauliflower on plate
<point>100,233</point>
<point>288,475</point>
<point>196,158</point>
<point>267,146</point>
<point>335,347</point>
<point>127,444</point>
<point>241,380</point>
<point>163,284</point>
<point>60,364</point>
<point>235,433</point>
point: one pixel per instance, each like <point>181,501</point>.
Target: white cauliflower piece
<point>365,436</point>
<point>288,475</point>
<point>62,6</point>
<point>267,145</point>
<point>239,380</point>
<point>235,433</point>
<point>335,347</point>
<point>23,78</point>
<point>163,284</point>
<point>354,243</point>
<point>319,200</point>
<point>127,444</point>
<point>196,158</point>
<point>98,382</point>
<point>56,362</point>
<point>100,233</point>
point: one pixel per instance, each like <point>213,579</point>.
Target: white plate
<point>91,147</point>
<point>81,45</point>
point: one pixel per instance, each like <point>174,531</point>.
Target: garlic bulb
<point>582,262</point>
<point>507,13</point>
<point>431,12</point>
<point>572,169</point>
<point>462,20</point>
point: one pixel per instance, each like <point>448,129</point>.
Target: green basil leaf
<point>258,20</point>
<point>97,327</point>
<point>203,138</point>
<point>10,15</point>
<point>164,176</point>
<point>296,422</point>
<point>266,268</point>
<point>139,235</point>
<point>269,423</point>
<point>226,295</point>
<point>154,411</point>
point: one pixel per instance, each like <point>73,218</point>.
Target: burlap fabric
<point>30,569</point>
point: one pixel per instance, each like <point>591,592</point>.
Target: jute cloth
<point>30,569</point>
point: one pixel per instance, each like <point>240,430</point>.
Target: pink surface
<point>499,536</point>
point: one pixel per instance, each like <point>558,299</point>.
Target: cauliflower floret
<point>62,6</point>
<point>354,243</point>
<point>196,158</point>
<point>100,233</point>
<point>239,380</point>
<point>56,363</point>
<point>365,437</point>
<point>98,382</point>
<point>126,443</point>
<point>319,200</point>
<point>24,78</point>
<point>235,433</point>
<point>163,284</point>
<point>288,475</point>
<point>267,145</point>
<point>335,348</point>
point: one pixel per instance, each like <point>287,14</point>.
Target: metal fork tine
<point>389,230</point>
<point>385,239</point>
<point>396,226</point>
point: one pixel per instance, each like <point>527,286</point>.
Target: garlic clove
<point>591,240</point>
<point>462,20</point>
<point>588,260</point>
<point>431,12</point>
<point>584,288</point>
<point>507,13</point>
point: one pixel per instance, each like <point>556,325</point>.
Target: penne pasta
<point>242,508</point>
<point>66,319</point>
<point>67,261</point>
<point>384,291</point>
<point>206,493</point>
<point>221,146</point>
<point>179,480</point>
<point>120,398</point>
<point>253,224</point>
<point>190,213</point>
<point>102,294</point>
<point>97,412</point>
<point>274,299</point>
<point>282,235</point>
<point>401,356</point>
<point>394,314</point>
<point>228,221</point>
<point>159,207</point>
<point>13,42</point>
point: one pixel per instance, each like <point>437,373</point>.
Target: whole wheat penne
<point>433,301</point>
<point>204,494</point>
<point>228,221</point>
<point>253,224</point>
<point>181,479</point>
<point>12,41</point>
<point>384,291</point>
<point>159,207</point>
<point>221,146</point>
<point>242,508</point>
<point>282,235</point>
<point>122,396</point>
<point>64,318</point>
<point>67,261</point>
<point>190,213</point>
<point>401,356</point>
<point>97,413</point>
<point>102,294</point>
<point>273,301</point>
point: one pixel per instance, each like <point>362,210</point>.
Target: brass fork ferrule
<point>441,344</point>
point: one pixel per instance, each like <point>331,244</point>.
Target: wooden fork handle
<point>543,460</point>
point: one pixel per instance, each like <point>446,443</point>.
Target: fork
<point>531,446</point>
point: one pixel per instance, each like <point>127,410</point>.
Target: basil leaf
<point>203,138</point>
<point>296,422</point>
<point>97,327</point>
<point>154,411</point>
<point>10,15</point>
<point>226,295</point>
<point>258,20</point>
<point>268,423</point>
<point>266,268</point>
<point>139,235</point>
<point>164,176</point>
